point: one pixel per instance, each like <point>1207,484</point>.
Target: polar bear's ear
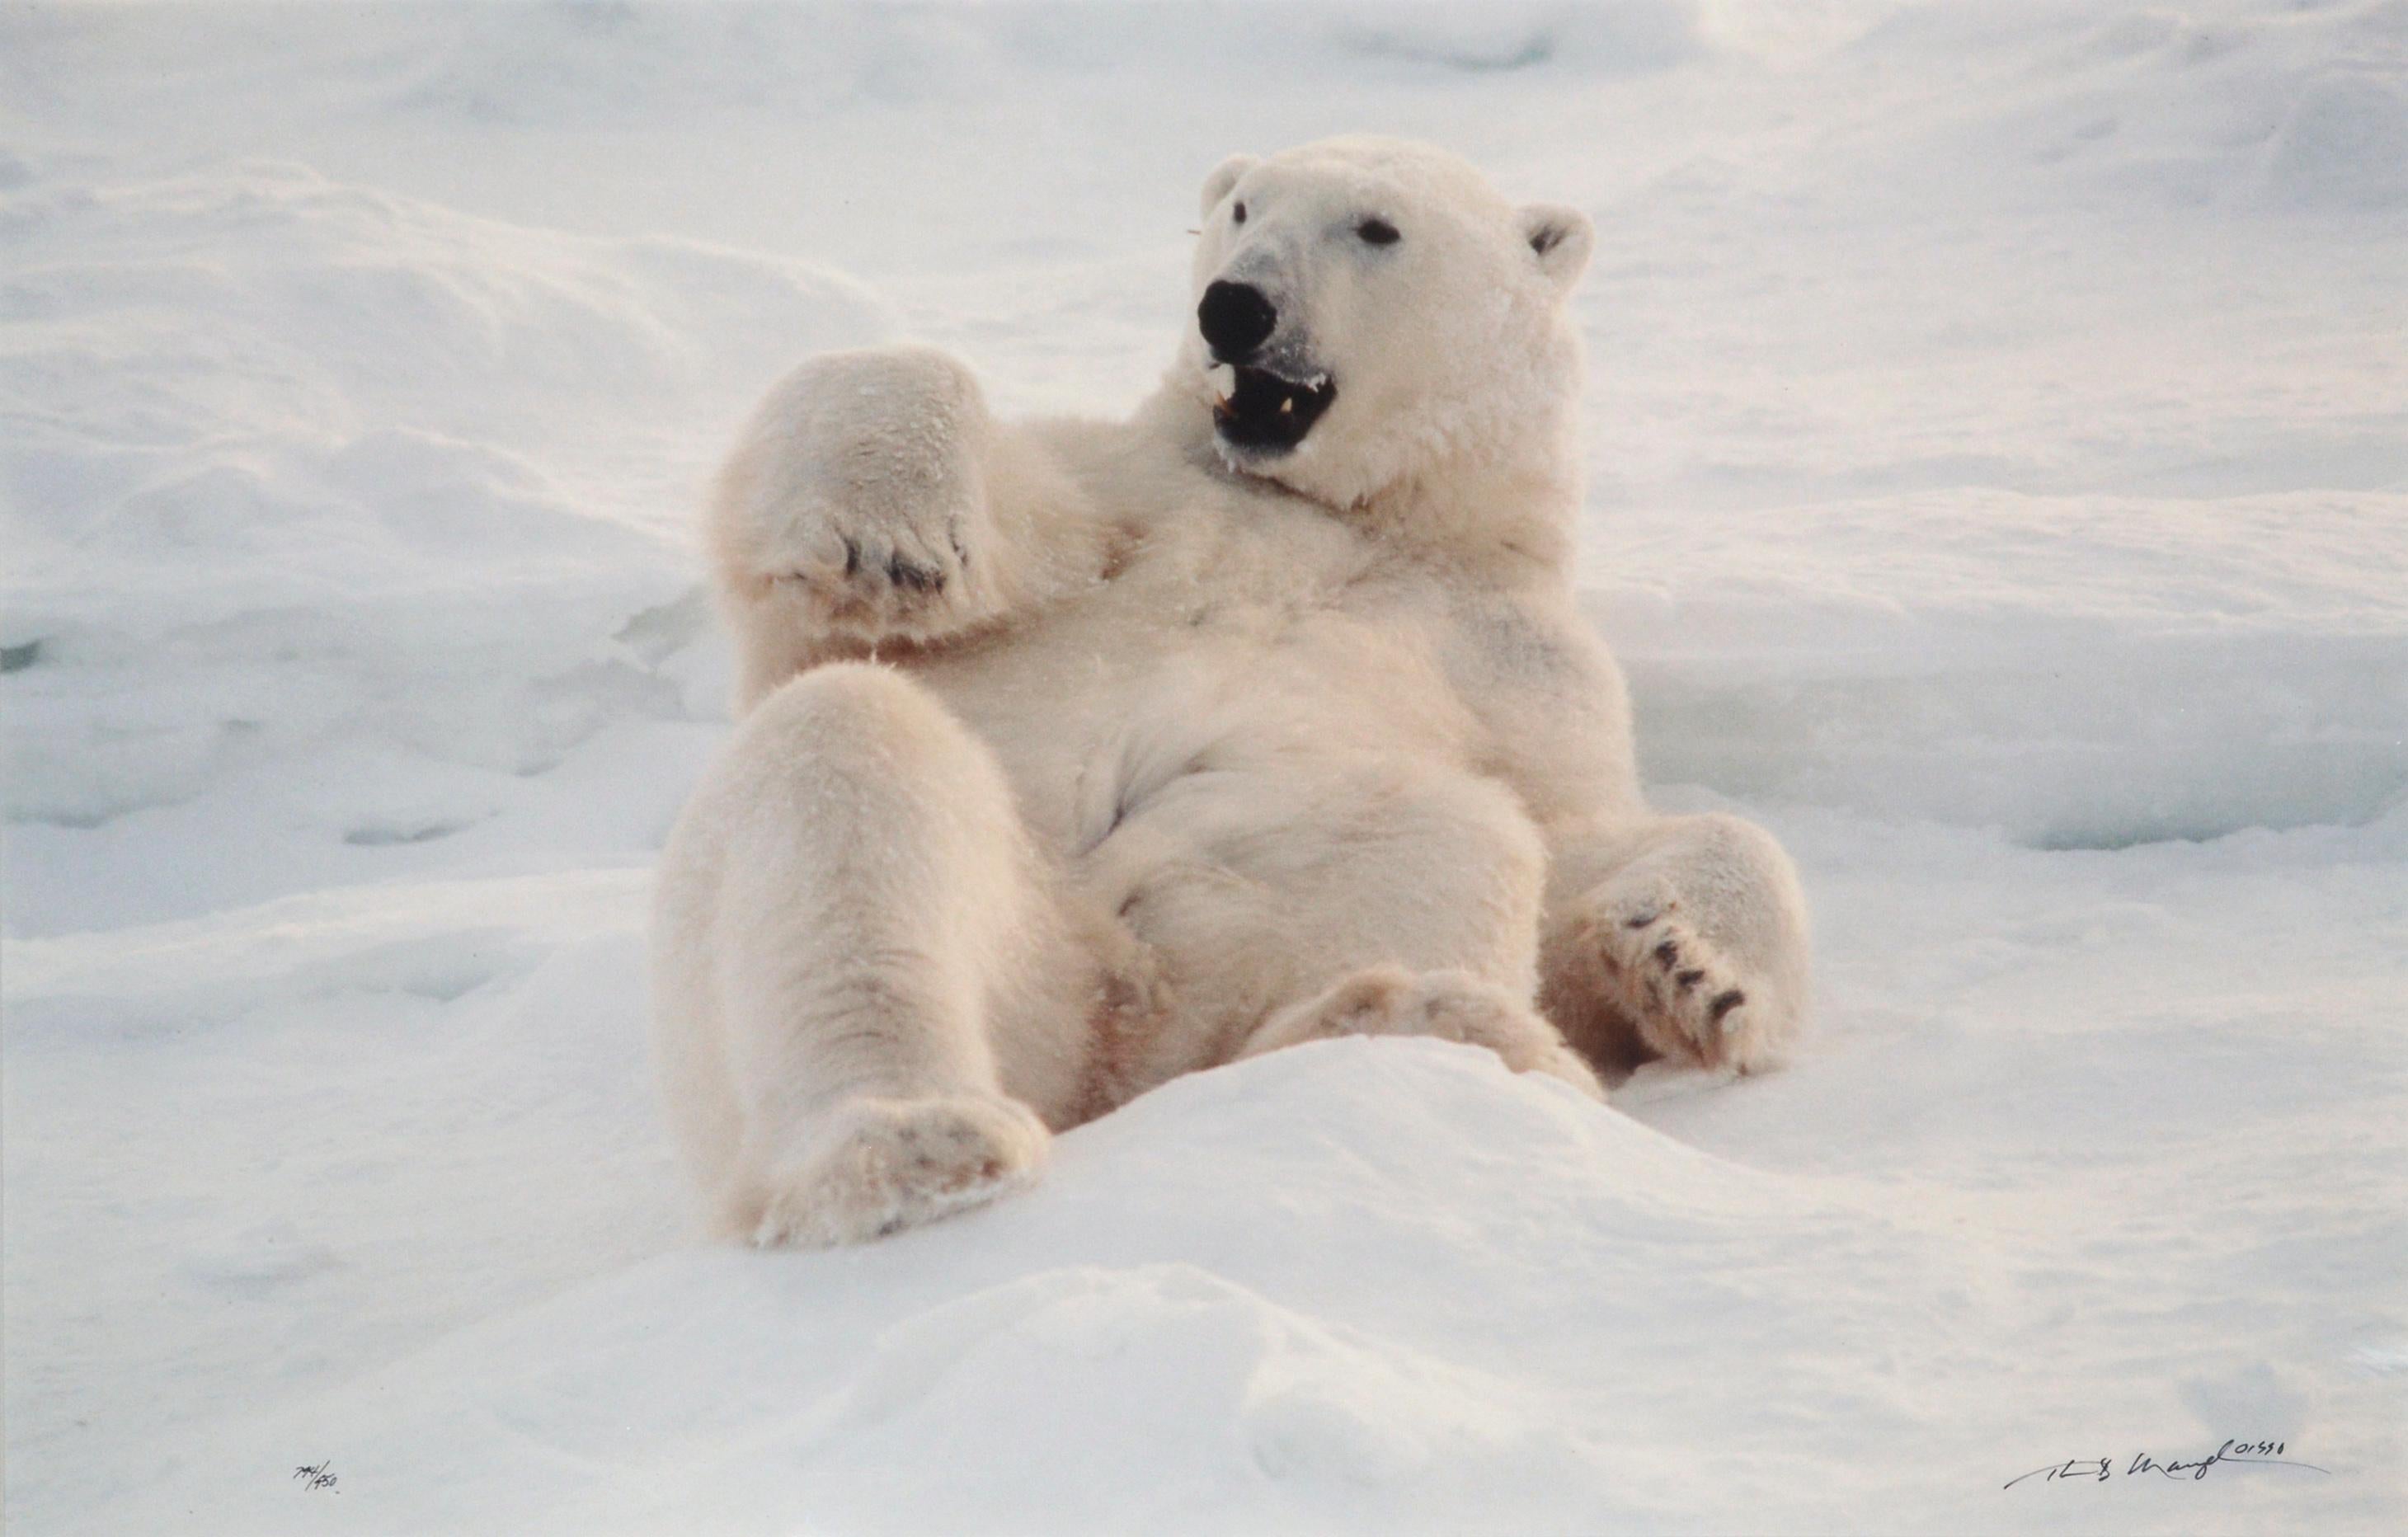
<point>1562,237</point>
<point>1225,176</point>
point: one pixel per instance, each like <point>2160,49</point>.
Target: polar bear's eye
<point>1377,232</point>
<point>1238,214</point>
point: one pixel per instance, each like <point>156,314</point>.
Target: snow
<point>2000,432</point>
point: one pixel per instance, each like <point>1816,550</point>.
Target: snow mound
<point>338,520</point>
<point>282,473</point>
<point>1200,1289</point>
<point>1368,1285</point>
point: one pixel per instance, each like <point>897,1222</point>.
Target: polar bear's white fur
<point>1075,756</point>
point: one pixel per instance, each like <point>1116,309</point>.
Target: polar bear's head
<point>1371,314</point>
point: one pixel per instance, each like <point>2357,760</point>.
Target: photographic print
<point>1061,766</point>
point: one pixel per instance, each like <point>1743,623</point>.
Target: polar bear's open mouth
<point>1256,409</point>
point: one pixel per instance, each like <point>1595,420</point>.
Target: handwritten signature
<point>315,1476</point>
<point>2261,1454</point>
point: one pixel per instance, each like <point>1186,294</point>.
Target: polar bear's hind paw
<point>1446,1005</point>
<point>883,1165</point>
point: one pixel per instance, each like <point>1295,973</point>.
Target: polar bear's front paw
<point>856,495</point>
<point>881,1166</point>
<point>867,564</point>
<point>1687,1000</point>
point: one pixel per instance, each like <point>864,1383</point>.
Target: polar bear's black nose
<point>1236,319</point>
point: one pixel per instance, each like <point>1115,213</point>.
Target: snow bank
<point>270,420</point>
<point>2081,672</point>
<point>1363,1286</point>
<point>308,473</point>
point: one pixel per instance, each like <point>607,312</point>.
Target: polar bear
<point>1073,755</point>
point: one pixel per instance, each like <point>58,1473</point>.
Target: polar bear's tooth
<point>1287,404</point>
<point>1223,377</point>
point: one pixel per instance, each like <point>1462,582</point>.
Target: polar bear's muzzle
<point>1255,406</point>
<point>1268,412</point>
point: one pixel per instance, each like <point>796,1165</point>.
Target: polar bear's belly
<point>1268,796</point>
<point>1094,714</point>
<point>1272,808</point>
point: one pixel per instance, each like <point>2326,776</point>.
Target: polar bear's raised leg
<point>1682,937</point>
<point>850,914</point>
<point>1446,1005</point>
<point>872,499</point>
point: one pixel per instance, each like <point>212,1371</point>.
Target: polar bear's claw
<point>857,494</point>
<point>880,580</point>
<point>1686,999</point>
